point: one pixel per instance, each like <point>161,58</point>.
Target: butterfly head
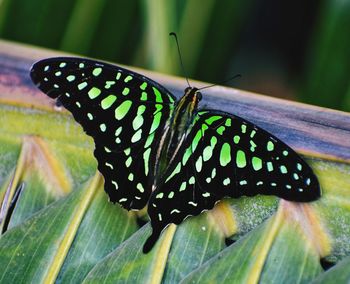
<point>193,94</point>
<point>189,101</point>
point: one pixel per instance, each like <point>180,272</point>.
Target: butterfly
<point>154,150</point>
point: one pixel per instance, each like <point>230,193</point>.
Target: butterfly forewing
<point>223,155</point>
<point>123,111</point>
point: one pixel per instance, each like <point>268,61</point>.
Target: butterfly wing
<point>225,156</point>
<point>123,111</point>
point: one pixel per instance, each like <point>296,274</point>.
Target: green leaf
<point>328,66</point>
<point>264,255</point>
<point>337,274</point>
<point>42,246</point>
<point>128,264</point>
<point>193,244</point>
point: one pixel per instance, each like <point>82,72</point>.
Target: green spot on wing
<point>159,98</point>
<point>199,164</point>
<point>109,84</point>
<point>94,92</point>
<point>143,86</point>
<point>220,129</point>
<point>103,127</point>
<point>126,91</point>
<point>82,85</point>
<point>146,160</point>
<point>156,122</point>
<point>108,101</point>
<point>122,109</point>
<point>196,139</point>
<point>97,71</point>
<point>283,169</point>
<point>143,96</point>
<point>269,166</point>
<point>225,154</point>
<point>137,136</point>
<point>139,186</point>
<point>141,109</point>
<point>191,180</point>
<point>210,120</point>
<point>128,78</point>
<point>175,171</point>
<point>137,122</point>
<point>257,163</point>
<point>270,146</point>
<point>207,153</point>
<point>183,186</point>
<point>149,140</point>
<point>252,145</point>
<point>159,107</point>
<point>127,151</point>
<point>128,161</point>
<point>187,155</point>
<point>213,141</point>
<point>118,131</point>
<point>241,159</point>
<point>160,195</point>
<point>70,78</point>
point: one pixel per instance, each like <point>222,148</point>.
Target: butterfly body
<point>175,132</point>
<point>170,155</point>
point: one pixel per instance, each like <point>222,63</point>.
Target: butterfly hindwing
<point>123,111</point>
<point>226,156</point>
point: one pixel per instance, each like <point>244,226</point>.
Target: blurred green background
<point>297,50</point>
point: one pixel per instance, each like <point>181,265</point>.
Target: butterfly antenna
<point>222,82</point>
<point>178,50</point>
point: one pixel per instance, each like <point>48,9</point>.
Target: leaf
<point>195,241</point>
<point>36,250</point>
<point>42,179</point>
<point>128,264</point>
<point>337,274</point>
<point>265,254</point>
<point>192,243</point>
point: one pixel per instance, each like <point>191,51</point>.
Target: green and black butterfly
<point>154,150</point>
